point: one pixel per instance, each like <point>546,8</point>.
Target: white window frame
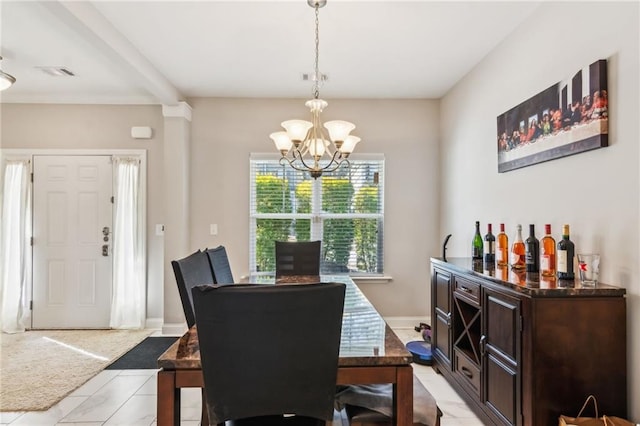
<point>317,217</point>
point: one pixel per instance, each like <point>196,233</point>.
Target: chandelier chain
<point>316,87</point>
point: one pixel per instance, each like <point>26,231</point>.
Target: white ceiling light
<point>305,145</point>
<point>6,80</point>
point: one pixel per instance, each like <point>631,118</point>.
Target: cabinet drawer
<point>467,289</point>
<point>468,371</point>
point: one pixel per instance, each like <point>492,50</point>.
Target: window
<point>343,209</point>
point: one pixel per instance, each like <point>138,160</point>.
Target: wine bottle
<point>476,244</point>
<point>502,247</point>
<point>489,246</point>
<point>532,250</point>
<point>517,250</point>
<point>565,255</point>
<point>547,253</point>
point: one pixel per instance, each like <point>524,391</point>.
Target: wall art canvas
<point>568,118</point>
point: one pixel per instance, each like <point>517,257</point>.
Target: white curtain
<point>14,248</point>
<point>128,306</point>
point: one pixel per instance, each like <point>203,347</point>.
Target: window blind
<point>344,209</point>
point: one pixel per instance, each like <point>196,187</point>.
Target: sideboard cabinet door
<point>501,348</point>
<point>441,297</point>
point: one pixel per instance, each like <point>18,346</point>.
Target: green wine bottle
<point>476,244</point>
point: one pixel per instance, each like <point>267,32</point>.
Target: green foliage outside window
<point>337,239</point>
<point>340,235</point>
<point>272,197</point>
<point>303,204</point>
<point>366,230</point>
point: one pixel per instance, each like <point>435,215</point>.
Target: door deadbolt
<point>105,250</point>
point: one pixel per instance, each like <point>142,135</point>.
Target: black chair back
<point>191,271</point>
<point>297,258</point>
<point>220,265</point>
<point>268,350</point>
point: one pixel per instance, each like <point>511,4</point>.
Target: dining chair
<point>220,265</point>
<point>191,271</point>
<point>372,405</point>
<point>297,258</point>
<point>269,353</point>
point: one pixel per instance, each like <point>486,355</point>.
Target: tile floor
<point>128,397</point>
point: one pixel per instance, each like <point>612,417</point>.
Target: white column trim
<point>181,110</point>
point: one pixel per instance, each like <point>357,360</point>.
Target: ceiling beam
<point>90,24</point>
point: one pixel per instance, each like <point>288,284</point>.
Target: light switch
<point>159,229</point>
<point>213,229</point>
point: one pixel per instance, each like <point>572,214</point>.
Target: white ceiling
<point>160,52</point>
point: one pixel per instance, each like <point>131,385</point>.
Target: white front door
<point>72,264</point>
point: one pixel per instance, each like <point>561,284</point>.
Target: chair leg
<point>204,416</point>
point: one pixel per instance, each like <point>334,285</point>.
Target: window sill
<point>372,279</point>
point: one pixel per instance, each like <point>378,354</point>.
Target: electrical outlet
<point>213,229</point>
<point>159,229</point>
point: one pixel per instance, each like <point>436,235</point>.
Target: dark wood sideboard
<point>522,349</point>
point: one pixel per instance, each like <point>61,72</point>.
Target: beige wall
<point>226,131</point>
<point>598,192</point>
<point>91,127</point>
<point>223,134</point>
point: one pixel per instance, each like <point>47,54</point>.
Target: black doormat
<point>144,355</point>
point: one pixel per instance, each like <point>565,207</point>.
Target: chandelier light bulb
<point>282,141</point>
<point>297,130</point>
<point>339,130</point>
<point>317,147</point>
<point>349,145</point>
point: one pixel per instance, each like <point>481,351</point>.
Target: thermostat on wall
<point>141,132</point>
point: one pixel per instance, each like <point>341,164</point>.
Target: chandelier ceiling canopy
<point>311,145</point>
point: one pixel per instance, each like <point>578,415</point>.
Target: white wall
<point>598,192</point>
<point>225,131</point>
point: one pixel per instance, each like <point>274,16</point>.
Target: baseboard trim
<point>174,329</point>
<point>406,322</point>
<point>154,323</point>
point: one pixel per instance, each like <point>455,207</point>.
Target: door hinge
<point>31,177</point>
<point>31,305</point>
<point>31,241</point>
<point>112,199</point>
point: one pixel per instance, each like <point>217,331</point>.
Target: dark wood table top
<point>366,339</point>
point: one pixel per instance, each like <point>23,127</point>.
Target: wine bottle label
<point>515,258</point>
<point>528,257</point>
<point>545,262</point>
<point>562,261</point>
<point>499,255</point>
<point>489,247</point>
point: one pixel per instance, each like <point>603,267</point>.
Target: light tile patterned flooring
<point>128,397</point>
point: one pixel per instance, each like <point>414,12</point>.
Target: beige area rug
<point>39,368</point>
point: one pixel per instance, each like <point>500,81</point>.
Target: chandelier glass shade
<point>311,145</point>
<point>6,80</point>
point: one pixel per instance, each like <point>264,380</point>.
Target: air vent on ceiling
<point>57,71</point>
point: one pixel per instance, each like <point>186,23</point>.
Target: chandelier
<point>310,146</point>
<point>6,80</point>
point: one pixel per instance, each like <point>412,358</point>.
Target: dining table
<point>370,353</point>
